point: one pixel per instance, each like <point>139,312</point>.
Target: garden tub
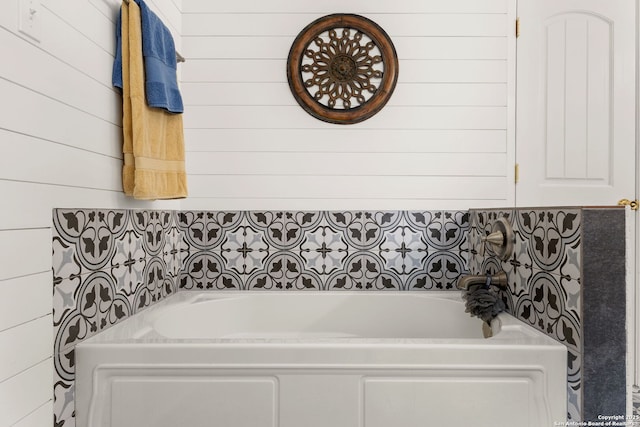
<point>317,359</point>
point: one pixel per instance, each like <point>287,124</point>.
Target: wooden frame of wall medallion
<point>331,79</point>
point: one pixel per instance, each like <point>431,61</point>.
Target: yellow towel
<point>153,138</point>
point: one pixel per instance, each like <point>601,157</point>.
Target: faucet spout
<point>498,279</point>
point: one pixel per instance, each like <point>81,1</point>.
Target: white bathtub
<point>318,359</point>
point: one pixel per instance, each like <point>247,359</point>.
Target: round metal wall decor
<point>342,68</point>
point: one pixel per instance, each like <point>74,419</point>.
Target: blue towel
<point>159,51</point>
<point>116,75</point>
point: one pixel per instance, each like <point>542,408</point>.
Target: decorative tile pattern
<point>109,264</point>
<point>193,228</point>
<point>206,270</point>
<point>574,385</point>
<point>544,278</point>
<point>550,236</point>
<point>284,270</point>
<point>106,265</point>
<point>546,309</point>
<point>64,396</point>
<point>364,271</point>
<point>86,240</point>
<point>287,250</point>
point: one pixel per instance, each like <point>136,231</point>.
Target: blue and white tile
<point>572,290</point>
<point>323,248</point>
<point>171,253</point>
<point>296,224</point>
<point>219,224</point>
<point>349,277</point>
<point>448,230</point>
<point>439,271</point>
<point>97,306</point>
<point>402,249</point>
<point>65,264</point>
<point>235,252</point>
<point>374,228</point>
<point>553,237</point>
<point>420,281</point>
<point>367,231</point>
<point>271,225</point>
<point>193,230</point>
<point>284,270</point>
<point>64,298</point>
<point>251,256</point>
<point>205,270</point>
<point>90,233</point>
<point>207,230</point>
<point>444,269</point>
<point>336,247</point>
<point>376,277</point>
<point>574,385</point>
<point>153,227</point>
<point>157,285</point>
<point>571,266</point>
<point>349,225</point>
<point>364,271</point>
<point>519,267</point>
<point>128,263</point>
<point>545,308</point>
<point>474,263</point>
<point>314,250</point>
<point>63,401</point>
<point>419,220</point>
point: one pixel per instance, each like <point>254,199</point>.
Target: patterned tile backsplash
<point>110,264</point>
<point>323,250</point>
<point>544,270</point>
<point>549,279</point>
<point>544,277</point>
<point>107,265</point>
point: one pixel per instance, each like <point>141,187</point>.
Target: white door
<point>576,95</point>
<point>576,114</point>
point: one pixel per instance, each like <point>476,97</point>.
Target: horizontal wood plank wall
<point>442,142</point>
<point>60,135</point>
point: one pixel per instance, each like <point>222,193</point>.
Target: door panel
<point>575,133</point>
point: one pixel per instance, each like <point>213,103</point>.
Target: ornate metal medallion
<point>342,68</point>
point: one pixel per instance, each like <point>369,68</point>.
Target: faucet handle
<point>495,238</point>
<point>501,238</point>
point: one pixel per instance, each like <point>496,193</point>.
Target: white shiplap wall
<point>60,143</point>
<point>445,140</point>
